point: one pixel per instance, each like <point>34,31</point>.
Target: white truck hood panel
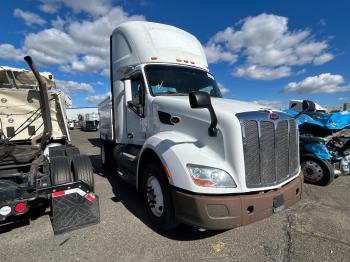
<point>220,105</point>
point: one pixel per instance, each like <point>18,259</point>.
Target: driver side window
<point>137,95</point>
<point>136,91</point>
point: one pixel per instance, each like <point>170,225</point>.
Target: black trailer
<point>47,173</point>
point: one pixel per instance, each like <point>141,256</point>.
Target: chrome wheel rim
<point>312,171</point>
<point>155,199</point>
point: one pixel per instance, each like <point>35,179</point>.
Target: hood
<point>220,105</point>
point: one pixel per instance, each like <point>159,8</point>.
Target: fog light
<point>20,207</point>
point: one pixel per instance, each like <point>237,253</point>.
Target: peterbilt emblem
<point>274,116</point>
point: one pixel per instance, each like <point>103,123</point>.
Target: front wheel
<point>157,197</point>
<point>317,171</point>
<point>106,155</point>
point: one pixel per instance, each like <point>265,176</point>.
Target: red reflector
<point>90,197</point>
<point>58,193</point>
<point>20,207</point>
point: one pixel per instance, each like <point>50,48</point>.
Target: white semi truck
<point>197,158</point>
<point>89,122</point>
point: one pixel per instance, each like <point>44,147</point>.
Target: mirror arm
<point>212,130</point>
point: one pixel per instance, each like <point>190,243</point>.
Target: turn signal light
<point>21,207</point>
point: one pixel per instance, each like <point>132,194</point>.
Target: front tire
<point>156,193</point>
<point>317,171</point>
<point>106,155</point>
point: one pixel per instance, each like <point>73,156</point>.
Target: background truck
<point>197,158</point>
<point>89,122</point>
<point>324,144</point>
<point>39,166</point>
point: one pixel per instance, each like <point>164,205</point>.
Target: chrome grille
<point>270,148</point>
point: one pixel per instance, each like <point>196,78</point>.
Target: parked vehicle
<point>324,144</point>
<point>106,122</point>
<point>89,122</point>
<point>70,124</point>
<point>197,158</point>
<point>39,166</point>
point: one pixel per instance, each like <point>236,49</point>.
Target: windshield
<point>178,80</point>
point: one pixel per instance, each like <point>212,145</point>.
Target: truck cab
<point>197,158</point>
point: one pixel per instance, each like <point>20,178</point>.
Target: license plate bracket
<point>278,203</point>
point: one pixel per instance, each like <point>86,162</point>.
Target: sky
<point>266,52</point>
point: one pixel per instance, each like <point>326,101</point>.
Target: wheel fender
<point>176,150</point>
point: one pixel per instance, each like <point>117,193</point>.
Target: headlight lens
<point>210,177</point>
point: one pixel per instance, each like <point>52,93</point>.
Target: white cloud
<point>29,17</point>
<point>75,45</point>
<point>322,59</point>
<point>58,23</point>
<point>300,72</point>
<point>74,86</point>
<point>273,104</point>
<point>97,98</point>
<point>92,7</point>
<point>8,51</point>
<point>343,99</point>
<point>223,89</point>
<point>216,54</point>
<point>323,83</point>
<point>262,72</point>
<point>266,45</point>
<point>49,6</point>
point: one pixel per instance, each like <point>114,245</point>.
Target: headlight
<point>210,177</point>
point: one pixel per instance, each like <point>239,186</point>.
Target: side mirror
<point>202,100</point>
<point>128,93</point>
<point>308,106</point>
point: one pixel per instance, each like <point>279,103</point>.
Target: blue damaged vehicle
<point>324,144</point>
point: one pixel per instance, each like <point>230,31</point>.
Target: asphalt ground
<point>315,229</point>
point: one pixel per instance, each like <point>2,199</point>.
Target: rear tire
<point>72,152</point>
<point>317,171</point>
<point>83,171</point>
<point>56,151</point>
<point>158,201</point>
<point>60,170</point>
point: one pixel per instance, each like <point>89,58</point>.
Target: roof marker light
<point>178,60</point>
<point>186,61</point>
<point>154,58</point>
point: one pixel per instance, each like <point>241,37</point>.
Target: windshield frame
<point>180,66</point>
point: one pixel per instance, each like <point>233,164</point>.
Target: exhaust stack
<point>44,102</point>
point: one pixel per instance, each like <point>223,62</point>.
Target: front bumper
<point>224,212</point>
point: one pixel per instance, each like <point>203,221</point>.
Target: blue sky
<point>262,51</point>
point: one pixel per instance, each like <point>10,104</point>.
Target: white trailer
<point>105,113</point>
<point>89,122</point>
<point>198,158</point>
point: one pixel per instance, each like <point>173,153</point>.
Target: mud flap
<point>73,209</point>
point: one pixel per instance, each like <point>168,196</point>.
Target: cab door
<point>136,111</point>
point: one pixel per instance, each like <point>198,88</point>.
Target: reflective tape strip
<point>90,197</point>
<point>79,191</point>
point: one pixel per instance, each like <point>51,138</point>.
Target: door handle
<point>130,135</point>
